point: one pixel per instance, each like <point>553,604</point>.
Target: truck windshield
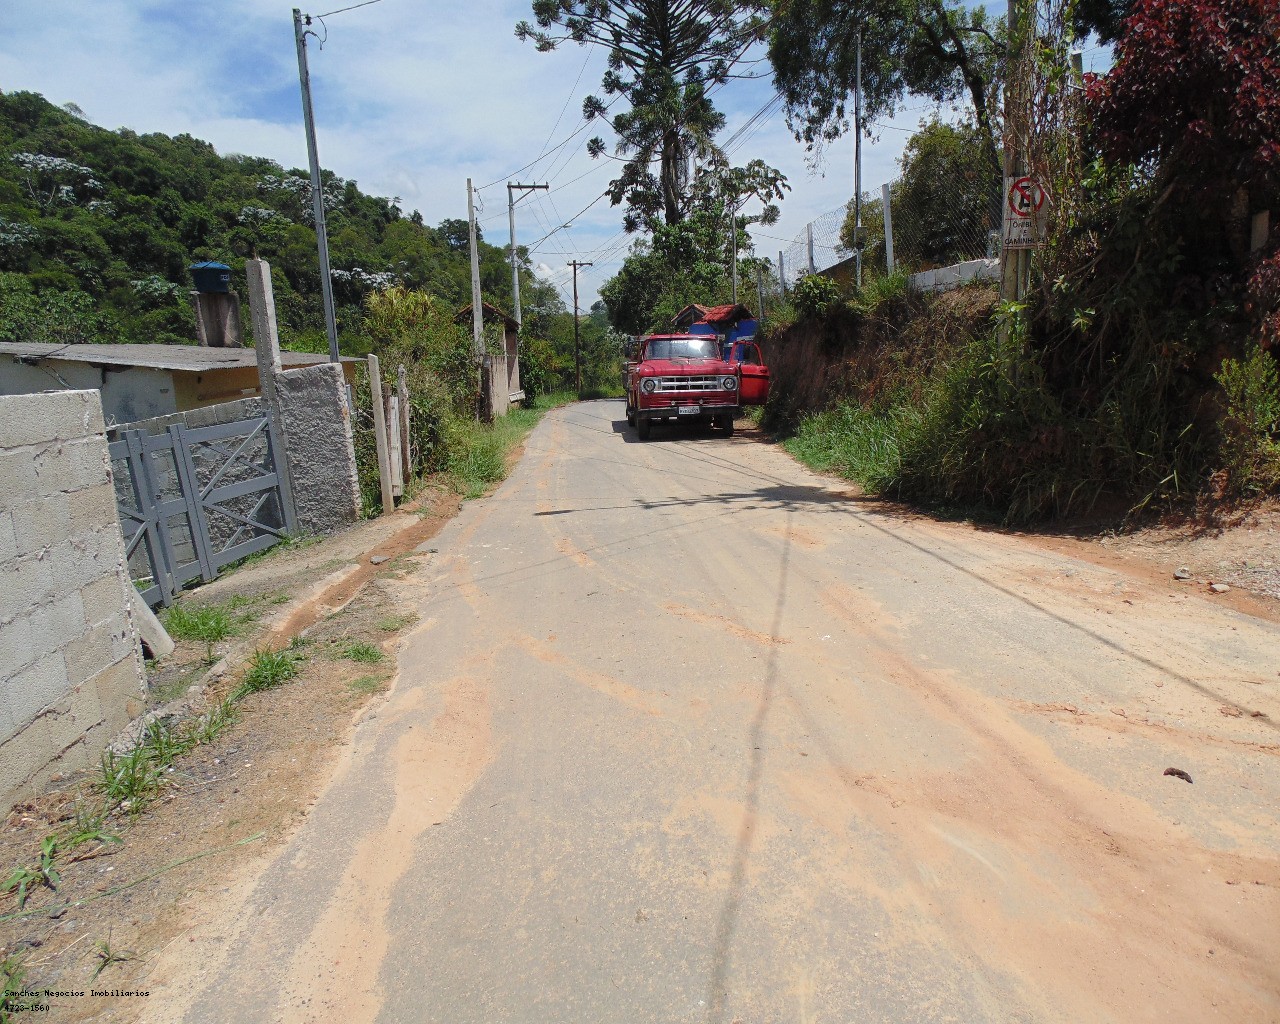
<point>683,348</point>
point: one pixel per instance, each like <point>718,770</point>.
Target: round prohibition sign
<point>1025,197</point>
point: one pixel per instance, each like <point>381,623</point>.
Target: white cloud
<point>411,99</point>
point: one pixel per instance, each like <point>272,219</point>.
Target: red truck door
<point>755,375</point>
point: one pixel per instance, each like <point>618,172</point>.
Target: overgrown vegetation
<point>1142,367</point>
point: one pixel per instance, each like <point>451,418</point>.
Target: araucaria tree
<point>663,58</point>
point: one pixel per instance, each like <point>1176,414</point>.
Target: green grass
<point>368,684</point>
<point>395,623</point>
<point>477,452</point>
<point>366,654</point>
<point>855,443</point>
<point>13,973</point>
<point>267,670</point>
<point>207,624</point>
<point>131,780</point>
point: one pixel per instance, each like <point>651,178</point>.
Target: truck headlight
<point>729,383</point>
<point>649,385</point>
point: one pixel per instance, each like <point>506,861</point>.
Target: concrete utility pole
<point>512,188</point>
<point>733,231</point>
<point>477,314</point>
<point>857,158</point>
<point>1015,262</point>
<point>300,30</point>
<point>885,197</point>
<point>577,341</point>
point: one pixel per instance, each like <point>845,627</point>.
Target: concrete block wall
<point>71,673</point>
<point>321,450</point>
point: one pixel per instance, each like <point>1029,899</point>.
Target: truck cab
<point>681,378</point>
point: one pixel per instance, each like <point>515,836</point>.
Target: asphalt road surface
<point>685,733</point>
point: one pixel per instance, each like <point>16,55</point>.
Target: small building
<point>139,382</point>
<point>729,323</point>
<point>504,385</point>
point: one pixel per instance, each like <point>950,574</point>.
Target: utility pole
<point>300,30</point>
<point>477,313</point>
<point>782,274</point>
<point>760,290</point>
<point>885,196</point>
<point>733,230</point>
<point>512,189</point>
<point>1015,263</point>
<point>857,158</point>
<point>577,341</point>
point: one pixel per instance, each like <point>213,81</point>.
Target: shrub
<point>1250,452</point>
<point>814,294</point>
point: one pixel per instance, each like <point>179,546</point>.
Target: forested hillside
<point>98,227</point>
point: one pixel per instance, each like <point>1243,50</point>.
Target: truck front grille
<point>701,383</point>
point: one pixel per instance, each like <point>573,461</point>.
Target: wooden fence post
<point>380,434</point>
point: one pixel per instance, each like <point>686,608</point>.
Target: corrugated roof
<point>159,357</point>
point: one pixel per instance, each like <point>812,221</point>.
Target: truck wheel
<point>643,426</point>
<point>727,423</point>
<point>631,416</point>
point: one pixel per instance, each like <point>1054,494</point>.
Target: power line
<point>343,10</point>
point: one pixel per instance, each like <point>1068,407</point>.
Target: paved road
<point>684,734</point>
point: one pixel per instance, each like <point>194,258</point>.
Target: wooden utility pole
<point>512,188</point>
<point>782,274</point>
<point>301,28</point>
<point>760,290</point>
<point>577,340</point>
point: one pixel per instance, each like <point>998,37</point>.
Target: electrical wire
<point>343,10</point>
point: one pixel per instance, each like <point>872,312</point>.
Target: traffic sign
<point>1024,225</point>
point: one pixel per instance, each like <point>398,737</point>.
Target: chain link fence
<point>950,222</point>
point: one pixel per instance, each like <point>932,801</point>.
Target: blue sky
<point>412,97</point>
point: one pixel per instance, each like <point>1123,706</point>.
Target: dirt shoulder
<point>341,603</point>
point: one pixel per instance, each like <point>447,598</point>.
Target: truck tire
<point>643,427</point>
<point>727,423</point>
<point>631,416</point>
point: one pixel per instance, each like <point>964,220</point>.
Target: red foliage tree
<point>1196,90</point>
<point>1194,100</point>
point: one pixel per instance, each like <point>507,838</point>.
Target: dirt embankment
<point>867,355</point>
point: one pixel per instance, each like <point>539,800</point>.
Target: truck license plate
<point>689,410</point>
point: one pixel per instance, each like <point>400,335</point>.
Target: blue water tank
<point>211,277</point>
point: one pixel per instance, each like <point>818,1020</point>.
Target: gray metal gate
<point>192,500</point>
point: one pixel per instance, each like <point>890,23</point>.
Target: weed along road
<point>684,733</point>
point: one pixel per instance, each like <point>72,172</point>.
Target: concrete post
<point>266,340</point>
<point>402,390</point>
<point>380,435</point>
<point>885,197</point>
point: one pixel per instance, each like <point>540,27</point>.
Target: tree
<point>663,57</point>
<point>935,48</point>
<point>1190,113</point>
<point>945,202</point>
